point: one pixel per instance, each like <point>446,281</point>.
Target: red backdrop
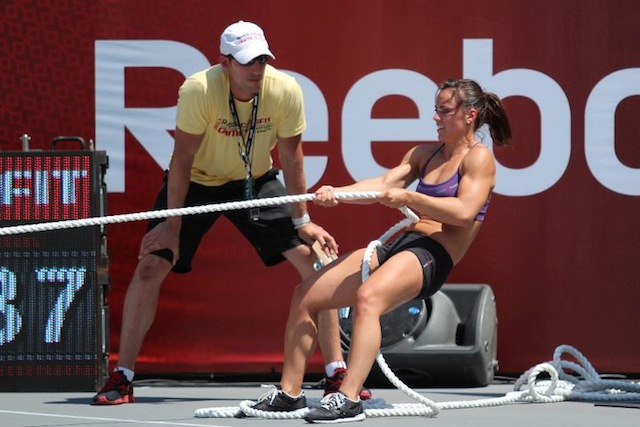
<point>562,260</point>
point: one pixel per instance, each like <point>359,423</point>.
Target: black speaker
<point>449,340</point>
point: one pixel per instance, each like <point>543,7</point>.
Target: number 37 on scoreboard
<point>11,318</point>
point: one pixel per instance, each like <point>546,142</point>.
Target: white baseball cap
<point>244,41</point>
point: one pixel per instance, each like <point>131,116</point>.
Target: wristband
<point>299,222</point>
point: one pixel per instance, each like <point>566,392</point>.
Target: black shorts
<point>435,260</point>
<point>271,234</point>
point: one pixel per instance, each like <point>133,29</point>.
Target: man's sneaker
<point>277,400</point>
<point>332,384</point>
<point>117,390</point>
<point>336,408</point>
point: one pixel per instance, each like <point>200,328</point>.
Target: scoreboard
<point>53,311</point>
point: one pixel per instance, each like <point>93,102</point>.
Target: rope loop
<point>543,394</point>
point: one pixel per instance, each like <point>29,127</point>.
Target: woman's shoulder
<point>479,156</point>
<point>479,151</point>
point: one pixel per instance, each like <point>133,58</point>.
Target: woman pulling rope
<point>455,182</point>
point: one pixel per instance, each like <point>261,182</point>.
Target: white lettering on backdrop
<point>151,126</point>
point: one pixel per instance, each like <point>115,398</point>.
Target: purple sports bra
<point>448,188</point>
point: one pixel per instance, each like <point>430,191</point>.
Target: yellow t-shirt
<point>203,108</point>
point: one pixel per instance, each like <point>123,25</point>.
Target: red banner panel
<point>559,244</point>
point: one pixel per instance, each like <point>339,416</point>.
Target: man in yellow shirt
<point>229,119</point>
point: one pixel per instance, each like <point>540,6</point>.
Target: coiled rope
<point>582,384</point>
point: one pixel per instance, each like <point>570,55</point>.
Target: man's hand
<point>311,232</point>
<point>163,236</point>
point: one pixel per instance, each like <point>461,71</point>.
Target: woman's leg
<point>398,280</point>
<point>303,258</point>
<point>332,287</point>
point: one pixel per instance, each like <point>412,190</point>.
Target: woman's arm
<point>398,177</point>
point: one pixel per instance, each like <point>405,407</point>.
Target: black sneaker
<point>336,408</point>
<point>332,384</point>
<point>278,401</point>
<point>116,391</point>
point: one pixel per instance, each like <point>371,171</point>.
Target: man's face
<point>245,79</point>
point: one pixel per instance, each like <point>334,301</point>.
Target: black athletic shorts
<point>435,260</point>
<point>271,234</point>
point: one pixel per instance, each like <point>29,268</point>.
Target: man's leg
<point>140,304</point>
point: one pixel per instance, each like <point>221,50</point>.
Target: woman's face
<point>451,119</point>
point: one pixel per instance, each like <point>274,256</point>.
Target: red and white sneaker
<point>116,391</point>
<point>332,384</point>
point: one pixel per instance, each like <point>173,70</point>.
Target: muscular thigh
<point>335,285</point>
<point>396,281</point>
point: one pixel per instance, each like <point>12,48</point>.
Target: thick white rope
<point>192,210</point>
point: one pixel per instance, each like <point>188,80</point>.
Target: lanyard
<point>245,154</point>
<point>254,213</point>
